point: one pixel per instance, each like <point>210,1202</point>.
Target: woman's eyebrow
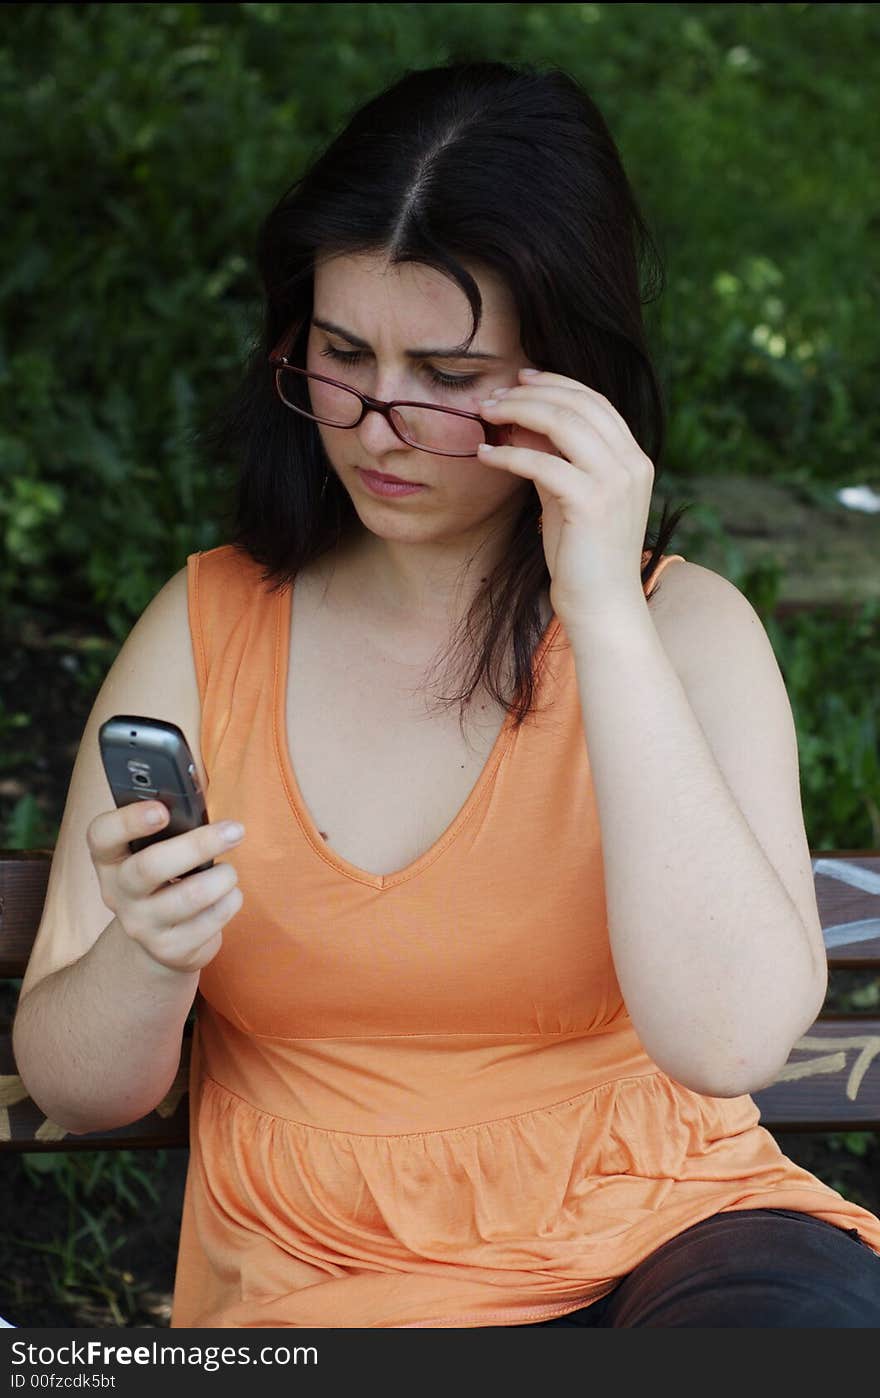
<point>454,353</point>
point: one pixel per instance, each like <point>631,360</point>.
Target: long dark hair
<point>510,167</point>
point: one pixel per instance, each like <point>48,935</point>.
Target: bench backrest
<point>831,1081</point>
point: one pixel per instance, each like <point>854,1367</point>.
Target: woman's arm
<point>99,1025</point>
<point>715,963</point>
<point>97,1043</point>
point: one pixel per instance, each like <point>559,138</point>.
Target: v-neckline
<point>283,633</point>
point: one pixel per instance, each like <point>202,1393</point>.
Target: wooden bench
<point>830,1083</point>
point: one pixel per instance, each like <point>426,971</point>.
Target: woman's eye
<point>444,381</point>
<point>352,357</point>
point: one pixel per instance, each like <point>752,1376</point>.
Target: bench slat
<point>847,884</point>
<point>24,876</point>
<point>831,1081</point>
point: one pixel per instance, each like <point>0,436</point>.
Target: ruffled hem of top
<point>531,1215</point>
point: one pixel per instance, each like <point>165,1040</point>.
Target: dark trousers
<point>751,1267</point>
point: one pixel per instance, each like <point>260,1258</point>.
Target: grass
<point>103,1191</point>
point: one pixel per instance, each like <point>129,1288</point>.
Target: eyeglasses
<point>425,426</point>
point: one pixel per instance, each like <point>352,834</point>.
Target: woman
<point>478,1019</point>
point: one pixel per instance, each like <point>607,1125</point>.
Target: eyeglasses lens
<point>431,428</point>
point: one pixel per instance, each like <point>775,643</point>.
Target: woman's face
<point>393,310</point>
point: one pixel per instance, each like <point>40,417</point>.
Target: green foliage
<point>27,828</point>
<point>856,1142</point>
<point>140,146</point>
<point>102,1189</point>
<point>86,1175</point>
<point>831,670</point>
<point>11,724</point>
<point>866,997</point>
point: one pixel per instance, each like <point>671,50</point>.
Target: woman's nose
<point>376,432</point>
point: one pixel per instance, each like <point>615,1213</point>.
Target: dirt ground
<point>828,554</point>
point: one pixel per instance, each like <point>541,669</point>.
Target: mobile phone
<point>149,759</point>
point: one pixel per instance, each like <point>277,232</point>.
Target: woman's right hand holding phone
<point>178,925</point>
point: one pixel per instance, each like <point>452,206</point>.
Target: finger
<point>545,378</point>
<point>599,414</point>
<point>203,935</point>
<point>593,397</point>
<point>182,901</point>
<point>109,833</point>
<point>151,868</point>
<point>551,472</point>
<point>576,436</point>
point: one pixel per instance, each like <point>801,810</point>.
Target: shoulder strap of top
<point>221,584</point>
<point>665,559</point>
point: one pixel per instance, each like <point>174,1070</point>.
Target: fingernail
<point>530,371</point>
<point>232,831</point>
<point>154,814</point>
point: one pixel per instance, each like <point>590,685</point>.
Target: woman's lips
<point>388,486</point>
<point>381,476</point>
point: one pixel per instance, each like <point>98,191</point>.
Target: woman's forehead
<point>365,292</point>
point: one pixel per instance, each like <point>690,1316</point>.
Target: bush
<point>140,146</point>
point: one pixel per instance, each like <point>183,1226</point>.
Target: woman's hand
<point>178,925</point>
<point>595,490</point>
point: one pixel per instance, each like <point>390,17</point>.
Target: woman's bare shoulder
<point>152,675</point>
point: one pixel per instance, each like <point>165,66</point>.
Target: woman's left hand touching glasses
<point>596,494</point>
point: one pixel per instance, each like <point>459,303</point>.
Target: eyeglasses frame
<point>493,433</point>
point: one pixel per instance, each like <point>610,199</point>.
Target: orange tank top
<point>417,1099</point>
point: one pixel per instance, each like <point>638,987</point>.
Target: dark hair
<point>510,167</point>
